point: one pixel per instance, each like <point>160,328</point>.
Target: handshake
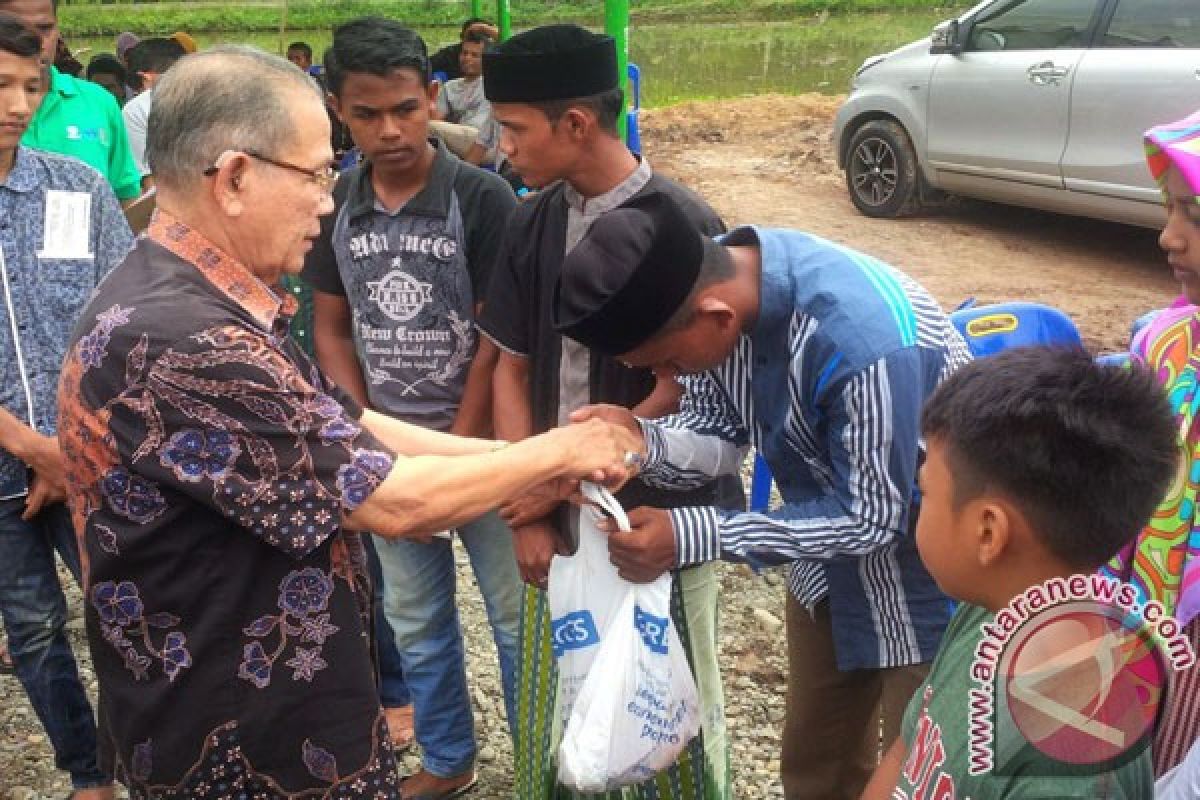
<point>603,444</point>
<point>607,443</point>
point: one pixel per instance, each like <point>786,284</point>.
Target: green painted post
<point>476,8</point>
<point>616,25</point>
<point>504,19</point>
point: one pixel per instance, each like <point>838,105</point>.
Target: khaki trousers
<point>831,735</point>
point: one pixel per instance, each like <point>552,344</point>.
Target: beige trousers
<point>837,722</point>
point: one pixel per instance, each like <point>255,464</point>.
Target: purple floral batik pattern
<point>94,346</point>
<point>125,625</point>
<point>131,496</point>
<point>224,772</point>
<point>194,455</point>
<point>303,619</point>
<point>361,476</point>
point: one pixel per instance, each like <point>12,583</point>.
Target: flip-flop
<point>448,794</point>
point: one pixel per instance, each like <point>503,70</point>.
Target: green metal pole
<point>476,8</point>
<point>616,25</point>
<point>504,19</point>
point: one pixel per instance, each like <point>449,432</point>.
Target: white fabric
<point>136,114</point>
<point>1183,782</point>
<point>463,102</point>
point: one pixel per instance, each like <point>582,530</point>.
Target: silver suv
<point>1038,103</point>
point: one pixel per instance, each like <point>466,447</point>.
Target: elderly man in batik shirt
<point>214,470</point>
<point>62,230</point>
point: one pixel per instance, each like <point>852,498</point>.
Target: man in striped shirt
<point>821,358</point>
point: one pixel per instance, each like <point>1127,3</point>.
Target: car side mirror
<point>946,39</point>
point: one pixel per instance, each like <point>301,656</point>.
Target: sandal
<point>457,791</point>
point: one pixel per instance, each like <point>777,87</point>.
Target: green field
<point>95,18</point>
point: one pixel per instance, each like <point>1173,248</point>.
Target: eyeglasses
<point>324,177</point>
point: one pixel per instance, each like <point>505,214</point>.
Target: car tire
<point>881,170</point>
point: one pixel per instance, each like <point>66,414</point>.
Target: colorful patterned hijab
<point>1176,144</point>
<point>1163,563</point>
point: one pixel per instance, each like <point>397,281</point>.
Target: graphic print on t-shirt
<point>410,293</point>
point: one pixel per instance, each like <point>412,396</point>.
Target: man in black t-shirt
<point>398,275</point>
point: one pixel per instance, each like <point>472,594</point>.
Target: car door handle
<point>1047,73</point>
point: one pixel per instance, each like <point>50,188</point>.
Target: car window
<point>1154,23</point>
<point>1033,25</point>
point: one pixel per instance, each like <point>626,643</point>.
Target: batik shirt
<point>210,464</point>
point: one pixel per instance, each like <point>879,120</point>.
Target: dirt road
<point>768,160</point>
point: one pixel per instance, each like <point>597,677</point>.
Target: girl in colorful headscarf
<point>1162,563</point>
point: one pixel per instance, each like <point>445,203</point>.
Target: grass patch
<point>95,19</point>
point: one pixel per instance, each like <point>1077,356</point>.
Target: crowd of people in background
<point>388,304</point>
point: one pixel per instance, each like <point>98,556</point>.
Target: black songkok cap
<point>629,274</point>
<point>554,62</point>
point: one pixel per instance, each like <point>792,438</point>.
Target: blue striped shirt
<point>828,386</point>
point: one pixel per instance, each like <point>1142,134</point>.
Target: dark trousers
<point>35,613</point>
<point>836,721</point>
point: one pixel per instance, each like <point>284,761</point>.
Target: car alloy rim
<point>874,171</point>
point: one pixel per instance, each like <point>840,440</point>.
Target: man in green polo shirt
<point>77,118</point>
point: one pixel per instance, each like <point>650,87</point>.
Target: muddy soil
<point>768,160</point>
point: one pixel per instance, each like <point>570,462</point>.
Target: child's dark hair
<point>18,38</point>
<point>376,46</point>
<point>466,26</point>
<point>152,55</point>
<point>1084,451</point>
<point>301,47</point>
<point>104,64</point>
<point>477,37</point>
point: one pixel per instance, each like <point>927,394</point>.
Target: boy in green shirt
<point>1040,465</point>
<point>77,118</point>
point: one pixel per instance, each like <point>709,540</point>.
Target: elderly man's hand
<point>647,550</point>
<point>599,451</point>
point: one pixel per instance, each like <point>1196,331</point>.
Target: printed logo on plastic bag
<point>653,630</point>
<point>573,631</point>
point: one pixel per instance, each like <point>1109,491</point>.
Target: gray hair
<point>231,97</point>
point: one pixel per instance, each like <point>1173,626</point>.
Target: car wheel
<point>881,170</point>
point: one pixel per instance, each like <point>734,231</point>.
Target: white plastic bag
<point>627,696</point>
